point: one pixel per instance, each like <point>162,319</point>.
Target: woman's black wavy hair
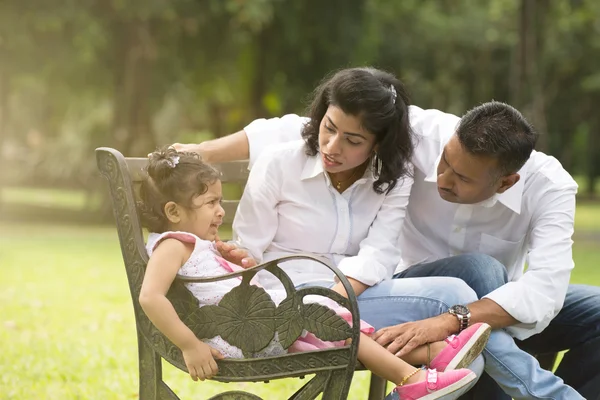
<point>367,94</point>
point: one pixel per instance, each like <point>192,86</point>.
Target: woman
<point>340,192</point>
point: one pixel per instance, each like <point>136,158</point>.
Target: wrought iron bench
<point>333,368</point>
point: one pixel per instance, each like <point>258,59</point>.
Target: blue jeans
<point>411,300</point>
<point>576,327</point>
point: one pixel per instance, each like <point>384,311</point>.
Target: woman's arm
<point>379,254</point>
<point>227,148</point>
<point>256,221</point>
<point>250,142</point>
<point>357,286</point>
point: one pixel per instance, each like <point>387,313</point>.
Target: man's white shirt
<point>528,228</point>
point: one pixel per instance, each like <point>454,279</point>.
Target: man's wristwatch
<point>463,314</point>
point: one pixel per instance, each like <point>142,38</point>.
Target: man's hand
<point>404,338</point>
<point>235,255</point>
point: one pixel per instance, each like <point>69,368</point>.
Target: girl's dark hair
<point>171,176</point>
<point>381,102</point>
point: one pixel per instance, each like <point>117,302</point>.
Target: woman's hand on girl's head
<point>234,254</point>
<point>200,360</point>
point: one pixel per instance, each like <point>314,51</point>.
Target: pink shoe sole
<point>472,349</point>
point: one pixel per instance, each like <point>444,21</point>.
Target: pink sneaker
<point>437,385</point>
<point>463,348</point>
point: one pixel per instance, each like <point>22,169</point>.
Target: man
<point>480,188</point>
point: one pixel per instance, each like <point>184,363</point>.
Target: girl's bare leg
<point>419,355</point>
<point>383,363</point>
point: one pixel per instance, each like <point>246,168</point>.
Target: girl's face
<point>343,142</point>
<point>205,216</point>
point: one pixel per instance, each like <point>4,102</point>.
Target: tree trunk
<point>259,83</point>
<point>528,92</point>
<point>4,91</point>
<point>134,58</point>
<point>593,157</point>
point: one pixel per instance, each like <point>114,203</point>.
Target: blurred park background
<point>136,74</point>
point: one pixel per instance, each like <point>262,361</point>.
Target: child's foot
<point>437,385</point>
<point>462,349</point>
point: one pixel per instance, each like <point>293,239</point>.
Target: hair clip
<point>394,94</point>
<point>173,161</point>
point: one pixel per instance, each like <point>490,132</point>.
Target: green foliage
<point>75,75</point>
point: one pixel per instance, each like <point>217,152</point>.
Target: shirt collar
<point>314,167</point>
<point>512,198</point>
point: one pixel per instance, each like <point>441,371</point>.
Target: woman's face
<point>343,142</point>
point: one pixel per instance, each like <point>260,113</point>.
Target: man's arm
<point>524,307</point>
<point>404,338</point>
<point>537,296</point>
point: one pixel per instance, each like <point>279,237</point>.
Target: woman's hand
<point>234,254</point>
<point>188,148</point>
<point>200,360</point>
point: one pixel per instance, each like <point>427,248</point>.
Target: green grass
<point>587,217</point>
<point>74,199</point>
<point>582,182</point>
<point>67,328</point>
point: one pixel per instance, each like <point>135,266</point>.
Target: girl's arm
<point>162,268</point>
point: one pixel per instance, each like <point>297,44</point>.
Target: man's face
<point>465,178</point>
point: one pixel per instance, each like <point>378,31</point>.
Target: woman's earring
<point>378,165</point>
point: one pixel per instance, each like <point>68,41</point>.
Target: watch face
<point>460,310</point>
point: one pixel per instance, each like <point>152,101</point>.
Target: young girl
<point>181,207</point>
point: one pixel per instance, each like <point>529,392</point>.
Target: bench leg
<point>377,387</point>
<point>338,385</point>
<point>312,388</point>
<point>152,386</point>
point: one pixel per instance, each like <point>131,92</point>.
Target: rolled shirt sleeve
<point>262,133</point>
<point>537,297</point>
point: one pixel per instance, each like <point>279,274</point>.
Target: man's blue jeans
<point>576,327</point>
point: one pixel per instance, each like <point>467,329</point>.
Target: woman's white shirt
<point>289,206</point>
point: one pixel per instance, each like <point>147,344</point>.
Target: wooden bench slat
<point>230,207</point>
<point>235,171</point>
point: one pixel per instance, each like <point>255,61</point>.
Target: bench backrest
<point>235,172</point>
